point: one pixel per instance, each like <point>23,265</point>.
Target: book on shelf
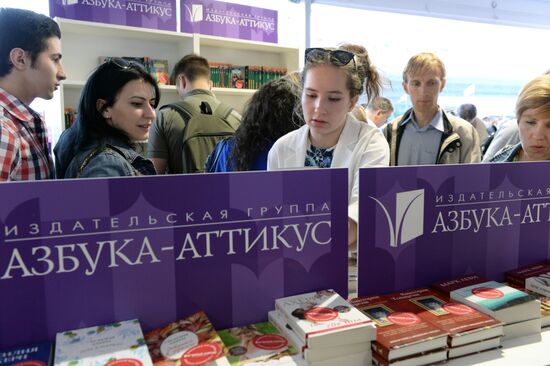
<point>258,343</point>
<point>324,318</point>
<point>463,323</point>
<point>315,354</point>
<point>401,331</point>
<point>39,354</point>
<point>225,75</point>
<point>158,69</point>
<point>189,341</point>
<point>70,117</point>
<point>115,344</point>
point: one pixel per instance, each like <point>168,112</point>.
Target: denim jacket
<point>112,158</point>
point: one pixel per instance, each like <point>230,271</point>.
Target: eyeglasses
<point>124,64</point>
<point>336,57</point>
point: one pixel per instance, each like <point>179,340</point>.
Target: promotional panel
<point>79,253</point>
<point>423,224</point>
<point>218,18</point>
<point>155,14</point>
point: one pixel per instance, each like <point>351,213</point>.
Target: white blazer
<point>360,145</point>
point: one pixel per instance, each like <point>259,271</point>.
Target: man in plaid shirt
<point>30,67</point>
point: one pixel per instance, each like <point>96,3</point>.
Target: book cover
<point>463,323</point>
<point>116,344</point>
<point>401,331</point>
<point>518,276</point>
<point>159,70</point>
<point>187,342</point>
<point>446,287</point>
<point>238,77</point>
<point>502,302</point>
<point>257,343</point>
<point>324,318</point>
<point>539,283</point>
<point>39,354</point>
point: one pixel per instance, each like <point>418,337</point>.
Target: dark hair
<point>24,29</point>
<point>105,83</point>
<point>467,112</point>
<point>362,75</point>
<point>192,66</point>
<point>273,111</point>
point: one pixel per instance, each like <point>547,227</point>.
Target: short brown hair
<point>534,95</point>
<point>422,62</point>
<point>193,67</point>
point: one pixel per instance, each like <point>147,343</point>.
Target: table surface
<point>532,350</point>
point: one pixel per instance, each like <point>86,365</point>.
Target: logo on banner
<point>195,12</point>
<point>69,2</point>
<point>409,217</point>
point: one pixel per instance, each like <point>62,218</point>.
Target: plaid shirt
<point>23,142</point>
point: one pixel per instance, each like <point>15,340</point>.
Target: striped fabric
<point>23,142</point>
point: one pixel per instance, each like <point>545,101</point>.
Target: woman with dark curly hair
<point>273,111</point>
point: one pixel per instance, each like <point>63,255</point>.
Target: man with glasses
<point>425,134</point>
<point>30,67</point>
<point>166,143</point>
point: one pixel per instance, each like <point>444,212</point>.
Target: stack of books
<point>189,341</point>
<point>403,336</point>
<point>519,311</point>
<point>469,331</point>
<point>260,343</point>
<point>534,280</point>
<point>325,328</point>
<point>116,344</point>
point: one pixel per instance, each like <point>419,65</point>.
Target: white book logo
<point>195,12</point>
<point>409,217</point>
<point>70,2</point>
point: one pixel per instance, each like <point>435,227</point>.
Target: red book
<point>464,324</point>
<point>518,276</point>
<point>446,287</point>
<point>401,332</point>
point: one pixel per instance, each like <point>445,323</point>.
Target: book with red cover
<point>463,323</point>
<point>518,276</point>
<point>446,287</point>
<point>401,331</point>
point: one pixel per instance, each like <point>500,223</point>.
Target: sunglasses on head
<point>336,57</point>
<point>124,64</point>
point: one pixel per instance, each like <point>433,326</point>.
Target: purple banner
<point>78,253</point>
<point>419,225</point>
<point>223,19</point>
<point>155,14</point>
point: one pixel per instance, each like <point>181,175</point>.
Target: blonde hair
<point>534,95</point>
<point>359,113</point>
<point>361,74</point>
<point>422,62</point>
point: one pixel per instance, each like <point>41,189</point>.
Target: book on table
<point>38,354</point>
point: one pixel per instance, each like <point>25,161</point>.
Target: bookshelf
<point>84,42</point>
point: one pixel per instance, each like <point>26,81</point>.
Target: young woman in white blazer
<point>333,80</point>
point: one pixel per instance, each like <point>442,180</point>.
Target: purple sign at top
<point>77,253</point>
<point>223,19</point>
<point>423,224</point>
<point>155,14</point>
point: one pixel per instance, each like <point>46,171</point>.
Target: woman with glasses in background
<point>116,108</point>
<point>332,81</point>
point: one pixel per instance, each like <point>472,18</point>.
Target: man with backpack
<point>185,133</point>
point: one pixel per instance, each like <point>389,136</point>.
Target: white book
<point>325,319</point>
<point>111,344</point>
<point>502,302</point>
<point>521,329</point>
<point>475,347</point>
<point>318,354</point>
